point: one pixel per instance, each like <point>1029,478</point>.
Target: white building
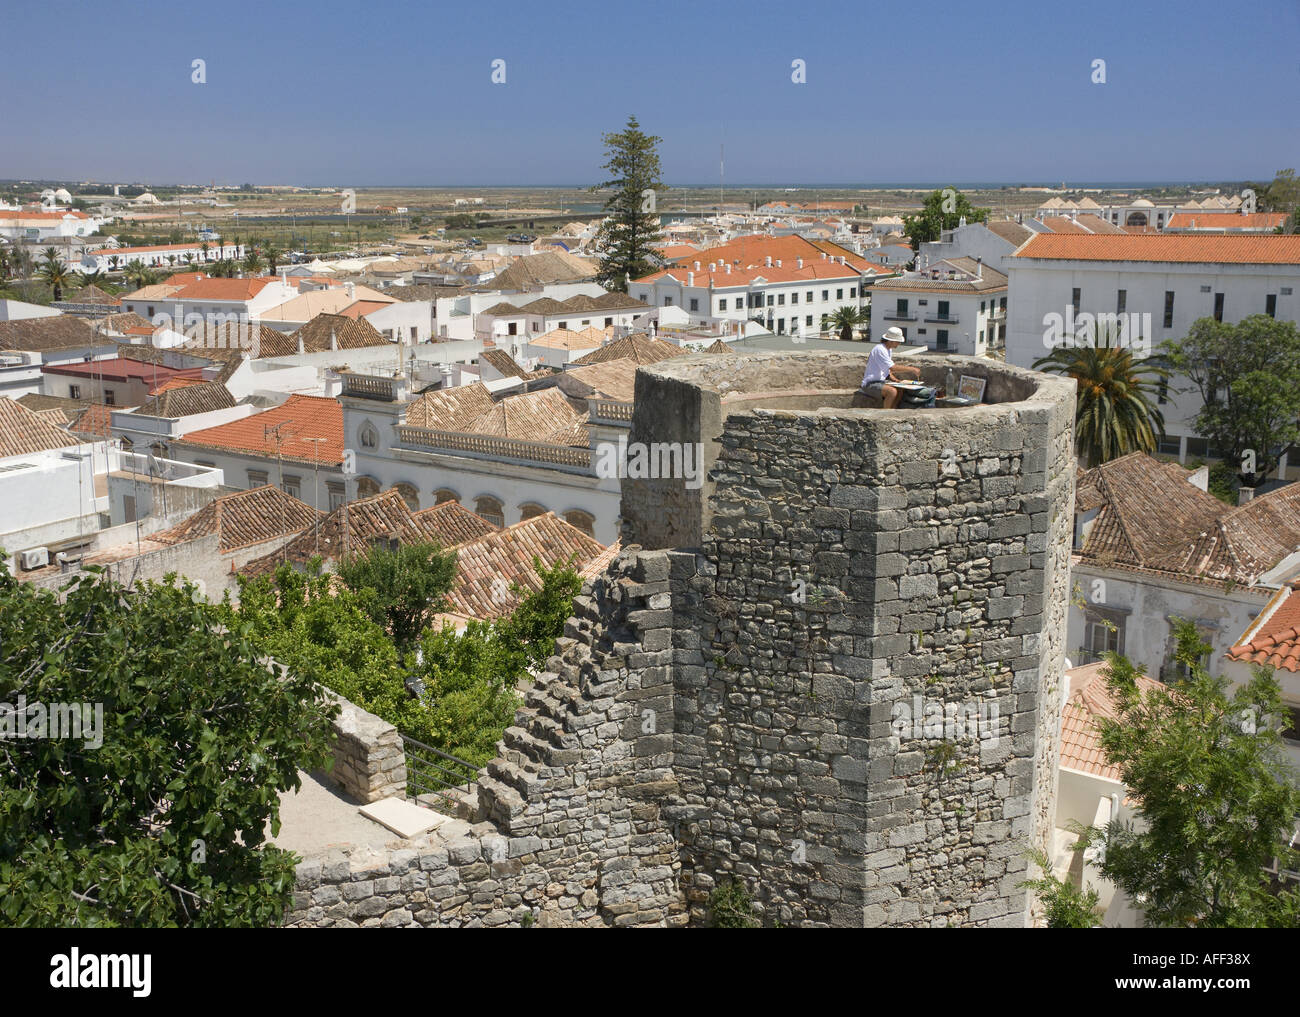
<point>37,226</point>
<point>177,256</point>
<point>1159,284</point>
<point>208,300</point>
<point>958,305</point>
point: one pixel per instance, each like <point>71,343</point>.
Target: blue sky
<point>385,93</point>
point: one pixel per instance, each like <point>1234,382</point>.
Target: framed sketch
<point>972,388</point>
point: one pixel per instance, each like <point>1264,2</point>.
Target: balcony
<point>899,315</point>
<point>568,459</point>
<point>941,319</point>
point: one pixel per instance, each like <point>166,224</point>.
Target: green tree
<point>846,319</point>
<point>1117,399</point>
<point>1215,792</point>
<point>273,255</point>
<point>933,219</point>
<point>540,615</point>
<point>253,261</point>
<point>1248,375</point>
<point>55,274</point>
<point>401,588</point>
<point>138,275</point>
<point>1066,905</point>
<point>624,238</point>
<point>164,823</point>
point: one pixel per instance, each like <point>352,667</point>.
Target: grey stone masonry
<point>843,693</point>
<point>369,763</point>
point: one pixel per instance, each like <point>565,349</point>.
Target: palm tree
<point>1115,412</point>
<point>253,261</point>
<point>113,262</point>
<point>6,263</point>
<point>56,274</point>
<point>846,319</point>
<point>204,248</point>
<point>272,254</point>
<point>224,269</point>
<point>137,274</point>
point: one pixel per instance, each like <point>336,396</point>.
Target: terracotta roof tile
<point>1226,220</point>
<point>452,524</point>
<point>1273,639</point>
<point>302,416</point>
<point>54,332</point>
<point>641,349</point>
<point>244,519</point>
<point>1090,700</point>
<point>449,409</point>
<point>1213,248</point>
<point>23,431</point>
<point>187,400</point>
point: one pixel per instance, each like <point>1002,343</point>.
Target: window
<point>109,398</point>
<point>1121,301</point>
<point>780,299</point>
<point>257,478</point>
<point>982,303</point>
<point>808,297</point>
<point>337,493</point>
<point>530,510</point>
<point>1169,446</point>
<point>583,521</point>
<point>839,294</point>
<point>826,294</point>
<point>1103,632</point>
<point>943,309</point>
<point>1074,298</point>
<point>771,301</point>
<point>1218,307</point>
<point>409,494</point>
<point>368,436</point>
<point>695,304</point>
<point>491,509</point>
<point>902,307</point>
<point>1002,304</point>
<point>853,291</point>
<point>941,342</point>
<point>1172,669</point>
<point>794,298</point>
<point>367,487</point>
<point>74,391</point>
<point>722,304</point>
<point>1169,308</point>
<point>512,328</point>
<point>807,319</point>
<point>780,326</point>
<point>292,486</point>
<point>1163,395</point>
<point>1270,305</point>
<point>149,312</point>
<point>564,324</point>
<point>608,322</point>
<point>444,494</point>
<point>667,301</point>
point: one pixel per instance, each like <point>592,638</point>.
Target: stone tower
<point>868,623</point>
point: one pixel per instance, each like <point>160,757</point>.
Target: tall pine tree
<point>624,238</point>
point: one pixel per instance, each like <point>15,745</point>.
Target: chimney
<point>823,255</point>
<point>769,261</point>
<point>300,346</point>
<point>979,268</point>
<point>334,340</point>
<point>1245,494</point>
<point>728,268</point>
<point>690,276</point>
<point>697,266</point>
<point>352,291</point>
<point>799,262</point>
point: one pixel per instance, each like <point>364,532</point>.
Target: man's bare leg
<point>892,396</point>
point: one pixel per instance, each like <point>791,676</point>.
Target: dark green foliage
<point>932,220</point>
<point>401,588</point>
<point>164,824</point>
<point>1214,787</point>
<point>730,907</point>
<point>1248,375</point>
<point>624,239</point>
<point>1066,906</point>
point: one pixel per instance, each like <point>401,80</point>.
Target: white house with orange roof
<point>788,283</point>
<point>111,258</point>
<point>1158,284</point>
<point>35,225</point>
<point>208,300</point>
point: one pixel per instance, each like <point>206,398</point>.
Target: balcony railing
<point>372,386</point>
<point>488,446</point>
<point>941,319</point>
<point>899,315</point>
<point>608,410</point>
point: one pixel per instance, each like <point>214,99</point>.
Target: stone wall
<point>369,763</point>
<point>731,710</point>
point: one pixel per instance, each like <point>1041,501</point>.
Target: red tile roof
<point>1214,248</point>
<point>303,416</point>
<point>1273,638</point>
<point>244,519</point>
<point>23,431</point>
<point>1090,700</point>
<point>124,369</point>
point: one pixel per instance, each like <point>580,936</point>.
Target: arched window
<point>444,494</point>
<point>581,520</point>
<point>368,436</point>
<point>530,510</point>
<point>491,509</point>
<point>367,487</point>
<point>409,494</point>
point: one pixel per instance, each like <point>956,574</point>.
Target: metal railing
<point>431,771</point>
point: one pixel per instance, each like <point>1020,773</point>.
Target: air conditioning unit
<point>36,558</point>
